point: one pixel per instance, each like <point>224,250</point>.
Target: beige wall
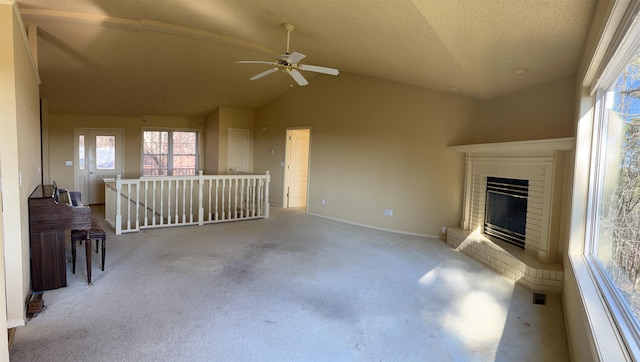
<point>44,121</point>
<point>20,152</point>
<point>375,145</point>
<point>61,140</point>
<point>379,145</point>
<point>212,142</point>
<point>541,112</point>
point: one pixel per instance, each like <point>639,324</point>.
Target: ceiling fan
<point>288,63</point>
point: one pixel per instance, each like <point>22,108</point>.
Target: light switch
<point>68,163</point>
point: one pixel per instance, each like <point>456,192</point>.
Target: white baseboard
<point>375,227</point>
<point>15,323</point>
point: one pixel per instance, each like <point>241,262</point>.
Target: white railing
<point>151,202</point>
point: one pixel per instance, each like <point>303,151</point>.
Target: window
<point>612,246</point>
<point>81,162</point>
<point>169,153</point>
<point>105,153</point>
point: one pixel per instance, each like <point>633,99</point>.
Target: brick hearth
<point>508,260</point>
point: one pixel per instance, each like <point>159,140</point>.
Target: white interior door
<point>297,167</point>
<point>99,156</point>
<point>238,148</point>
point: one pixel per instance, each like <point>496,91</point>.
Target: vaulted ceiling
<point>178,57</point>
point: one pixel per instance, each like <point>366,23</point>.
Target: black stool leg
<point>73,254</point>
<point>104,249</point>
<point>87,248</point>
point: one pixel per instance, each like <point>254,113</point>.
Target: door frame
<point>287,160</point>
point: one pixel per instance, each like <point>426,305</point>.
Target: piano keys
<point>49,216</point>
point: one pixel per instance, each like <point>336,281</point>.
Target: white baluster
<point>128,206</point>
<point>118,205</point>
<point>153,209</point>
<point>209,214</point>
<point>217,203</point>
<point>184,202</point>
<point>266,195</point>
<point>229,187</point>
<point>200,199</point>
<point>170,213</point>
<point>235,198</point>
<point>254,183</point>
<point>137,204</point>
<point>162,203</point>
<point>146,199</point>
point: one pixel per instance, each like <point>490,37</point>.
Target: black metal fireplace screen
<point>505,214</point>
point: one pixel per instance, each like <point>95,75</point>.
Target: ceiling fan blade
<point>265,73</point>
<point>297,76</point>
<point>255,62</point>
<point>318,69</point>
<point>295,57</point>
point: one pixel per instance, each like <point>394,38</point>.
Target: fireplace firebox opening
<point>506,209</point>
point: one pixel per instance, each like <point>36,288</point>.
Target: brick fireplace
<point>541,164</point>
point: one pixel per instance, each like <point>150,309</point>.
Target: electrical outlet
<point>322,201</point>
<point>444,229</point>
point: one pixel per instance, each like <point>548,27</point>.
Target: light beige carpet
<point>291,288</point>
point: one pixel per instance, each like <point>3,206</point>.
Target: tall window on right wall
<point>613,245</point>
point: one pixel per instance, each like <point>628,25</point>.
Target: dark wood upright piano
<point>49,216</point>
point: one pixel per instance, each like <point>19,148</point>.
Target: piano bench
<point>96,233</point>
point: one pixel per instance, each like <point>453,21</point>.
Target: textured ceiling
<point>178,57</point>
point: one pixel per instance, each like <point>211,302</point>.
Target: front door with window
<point>99,155</point>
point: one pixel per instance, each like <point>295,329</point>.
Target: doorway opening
<point>296,173</point>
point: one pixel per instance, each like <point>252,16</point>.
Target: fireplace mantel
<point>541,162</point>
<point>544,147</point>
